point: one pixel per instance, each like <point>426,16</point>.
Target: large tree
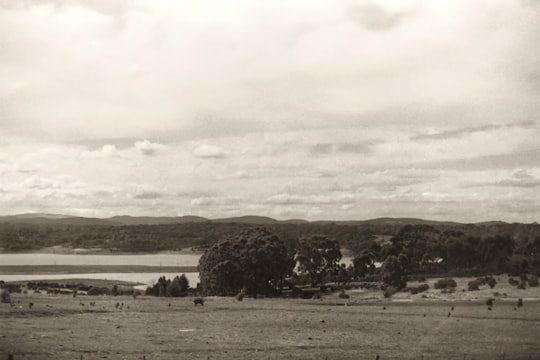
<point>394,271</point>
<point>255,260</point>
<point>419,244</point>
<point>317,256</point>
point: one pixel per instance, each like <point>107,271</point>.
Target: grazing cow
<point>198,301</point>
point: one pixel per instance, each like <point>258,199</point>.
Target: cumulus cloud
<point>147,148</point>
<point>210,151</point>
<point>291,199</point>
<point>105,152</point>
<point>351,148</point>
<point>520,179</point>
<point>374,17</point>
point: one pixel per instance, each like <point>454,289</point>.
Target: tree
<point>394,272</point>
<point>495,251</point>
<point>179,286</point>
<point>255,259</point>
<point>317,256</point>
<point>363,263</point>
<point>420,245</point>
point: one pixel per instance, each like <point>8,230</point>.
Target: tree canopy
<point>255,260</point>
<point>317,255</point>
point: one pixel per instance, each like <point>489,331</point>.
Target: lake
<point>158,259</point>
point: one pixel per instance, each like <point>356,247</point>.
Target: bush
<point>489,302</point>
<point>491,282</point>
<point>5,297</point>
<point>473,285</point>
<point>389,291</point>
<point>533,281</point>
<point>240,296</point>
<point>513,282</point>
<point>98,291</point>
<point>422,288</point>
<point>343,296</point>
<point>445,283</point>
<point>522,285</point>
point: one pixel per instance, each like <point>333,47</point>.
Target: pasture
<point>63,327</point>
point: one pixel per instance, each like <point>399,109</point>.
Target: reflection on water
<point>76,259</point>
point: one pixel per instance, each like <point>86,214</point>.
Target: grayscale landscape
<point>353,179</point>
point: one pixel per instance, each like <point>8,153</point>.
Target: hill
<point>149,220</point>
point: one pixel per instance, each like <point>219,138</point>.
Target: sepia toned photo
<point>269,179</point>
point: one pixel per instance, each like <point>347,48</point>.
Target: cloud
<point>507,160</point>
<point>350,148</point>
<point>105,152</point>
<point>449,134</point>
<point>148,195</point>
<point>147,148</point>
<point>292,199</point>
<point>210,152</point>
<point>520,179</point>
<point>374,17</point>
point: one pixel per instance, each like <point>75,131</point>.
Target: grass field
<point>59,327</point>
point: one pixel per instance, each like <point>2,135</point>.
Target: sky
<point>335,110</point>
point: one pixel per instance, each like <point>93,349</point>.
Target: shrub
<point>519,302</point>
<point>445,283</point>
<point>240,296</point>
<point>5,297</point>
<point>473,285</point>
<point>389,291</point>
<point>489,302</point>
<point>513,282</point>
<point>533,281</point>
<point>491,282</point>
<point>98,291</point>
<point>522,285</point>
<point>343,296</point>
<point>422,288</point>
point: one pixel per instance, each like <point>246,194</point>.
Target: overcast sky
<point>290,109</point>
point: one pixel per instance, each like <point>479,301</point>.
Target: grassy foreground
<point>62,327</point>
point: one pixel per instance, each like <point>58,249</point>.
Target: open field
<point>60,327</point>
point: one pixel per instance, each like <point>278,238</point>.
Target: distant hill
<point>148,220</point>
<point>41,218</point>
<point>32,217</point>
<point>84,221</point>
<point>247,220</point>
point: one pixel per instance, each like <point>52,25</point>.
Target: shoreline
<point>62,250</point>
<point>90,269</point>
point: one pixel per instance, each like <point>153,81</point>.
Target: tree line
<point>150,238</point>
<point>257,261</point>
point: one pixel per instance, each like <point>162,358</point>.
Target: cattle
<point>198,301</point>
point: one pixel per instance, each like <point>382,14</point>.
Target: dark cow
<point>198,301</point>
